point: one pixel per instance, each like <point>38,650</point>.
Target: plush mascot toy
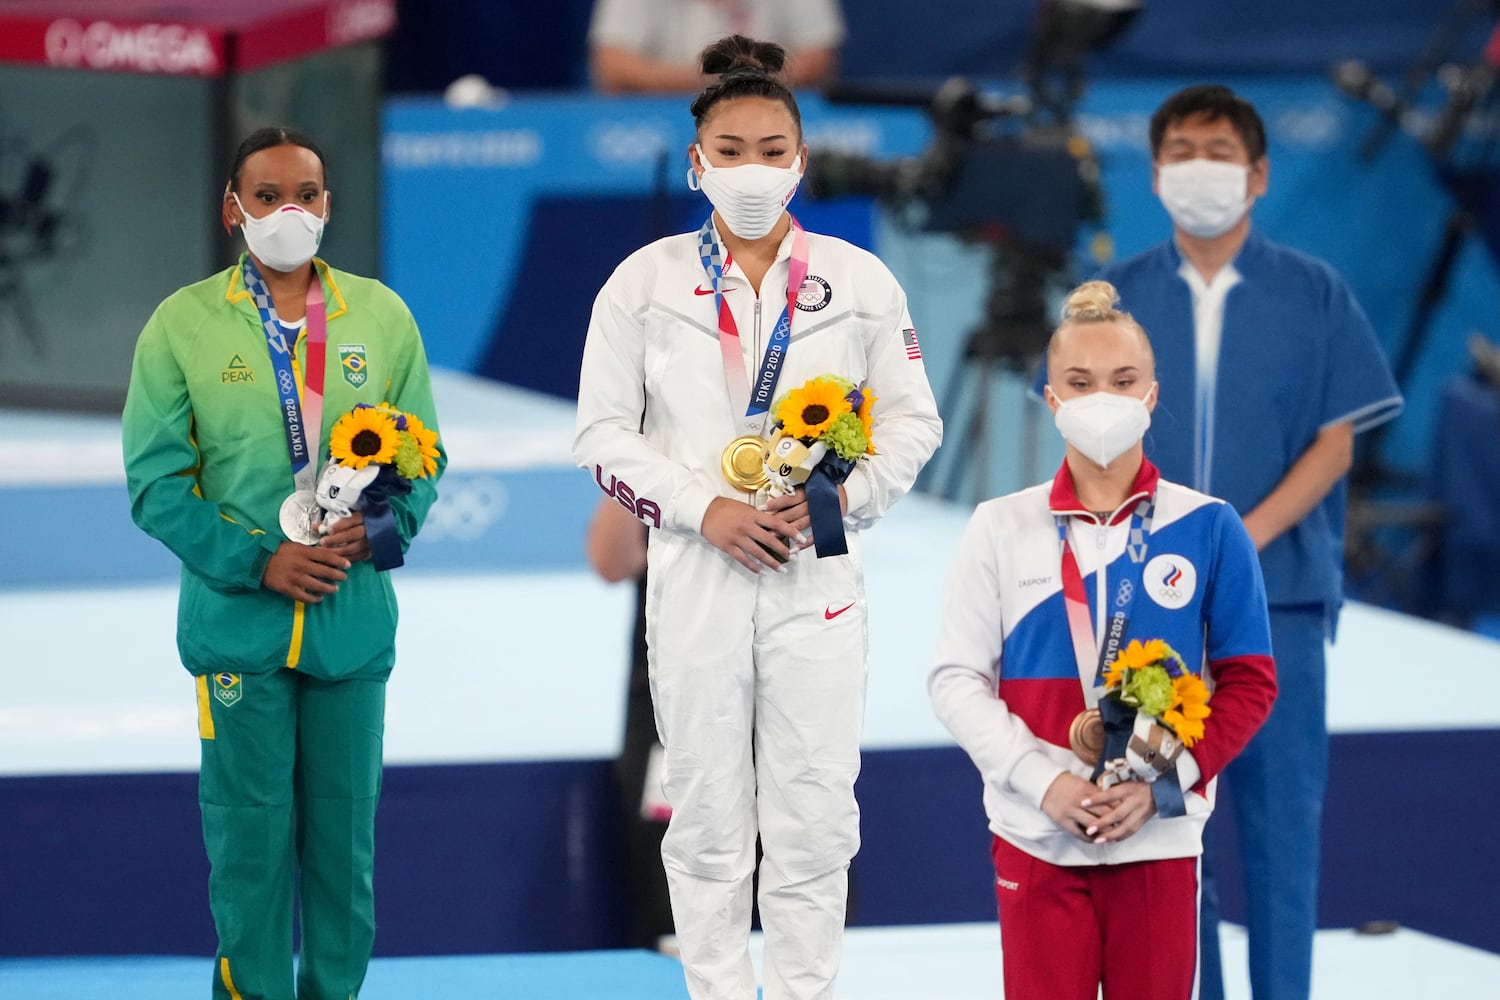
<point>789,462</point>
<point>339,489</point>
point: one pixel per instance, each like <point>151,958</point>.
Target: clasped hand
<point>757,538</point>
<point>1098,815</point>
<point>308,573</point>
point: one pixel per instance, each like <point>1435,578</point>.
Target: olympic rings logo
<point>1172,580</point>
<point>466,511</point>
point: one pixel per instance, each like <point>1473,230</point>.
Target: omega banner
<point>115,133</point>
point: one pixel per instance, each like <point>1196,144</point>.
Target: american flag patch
<point>913,349</point>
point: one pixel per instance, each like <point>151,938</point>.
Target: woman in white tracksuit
<point>757,646</point>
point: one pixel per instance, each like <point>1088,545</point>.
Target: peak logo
<point>1171,581</point>
<point>145,48</point>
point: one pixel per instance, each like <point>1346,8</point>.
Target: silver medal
<point>299,517</point>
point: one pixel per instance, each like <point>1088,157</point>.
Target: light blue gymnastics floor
<point>948,962</point>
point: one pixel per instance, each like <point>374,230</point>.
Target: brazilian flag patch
<point>353,363</point>
<point>227,688</point>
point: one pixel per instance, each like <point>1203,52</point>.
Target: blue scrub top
<point>1297,354</point>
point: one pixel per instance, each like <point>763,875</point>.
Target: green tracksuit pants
<point>288,787</point>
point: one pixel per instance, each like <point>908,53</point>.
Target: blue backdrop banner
<point>501,224</point>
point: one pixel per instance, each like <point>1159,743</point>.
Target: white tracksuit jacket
<point>1006,681</point>
<point>776,658</point>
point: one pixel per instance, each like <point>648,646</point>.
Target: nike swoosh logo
<point>708,291</point>
<point>829,614</point>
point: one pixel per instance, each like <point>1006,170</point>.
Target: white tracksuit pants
<point>759,686</point>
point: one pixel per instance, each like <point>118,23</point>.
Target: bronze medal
<point>1086,736</point>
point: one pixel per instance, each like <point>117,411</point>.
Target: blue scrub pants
<point>1276,787</point>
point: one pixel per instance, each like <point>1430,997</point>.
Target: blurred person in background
<point>653,45</point>
<point>758,648</point>
<point>616,546</point>
<point>290,638</point>
<point>1268,368</point>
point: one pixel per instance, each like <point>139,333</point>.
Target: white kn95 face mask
<point>1103,425</point>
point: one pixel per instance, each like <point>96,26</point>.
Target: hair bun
<point>736,52</point>
<point>1092,300</point>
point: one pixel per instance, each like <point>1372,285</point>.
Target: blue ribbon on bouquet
<point>1119,721</point>
<point>380,520</point>
<point>823,505</point>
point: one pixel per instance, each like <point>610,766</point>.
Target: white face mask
<point>1205,198</point>
<point>287,238</point>
<point>749,198</point>
<point>1103,425</point>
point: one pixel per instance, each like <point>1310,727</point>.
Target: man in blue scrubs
<point>1268,368</point>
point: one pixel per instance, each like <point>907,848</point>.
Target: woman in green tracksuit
<point>290,643</point>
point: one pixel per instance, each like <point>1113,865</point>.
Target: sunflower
<point>1189,708</point>
<point>866,417</point>
<point>398,416</point>
<point>1114,674</point>
<point>426,444</point>
<point>364,435</point>
<point>1135,655</point>
<point>809,411</point>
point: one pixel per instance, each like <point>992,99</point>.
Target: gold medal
<point>744,463</point>
<point>1086,736</point>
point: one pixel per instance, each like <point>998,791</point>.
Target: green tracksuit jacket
<point>207,469</point>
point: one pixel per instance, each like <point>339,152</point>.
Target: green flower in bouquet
<point>1150,690</point>
<point>1152,677</point>
<point>846,436</point>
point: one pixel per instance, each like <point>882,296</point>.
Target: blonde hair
<point>1097,302</point>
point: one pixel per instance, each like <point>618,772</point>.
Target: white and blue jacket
<point>1006,681</point>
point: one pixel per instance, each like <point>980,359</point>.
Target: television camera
<point>1012,174</point>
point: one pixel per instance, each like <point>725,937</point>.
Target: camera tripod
<point>1010,339</point>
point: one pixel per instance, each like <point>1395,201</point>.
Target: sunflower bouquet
<point>1152,708</point>
<point>821,432</point>
<point>376,452</point>
<point>1153,679</point>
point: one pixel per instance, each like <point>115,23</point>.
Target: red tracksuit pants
<point>1066,930</point>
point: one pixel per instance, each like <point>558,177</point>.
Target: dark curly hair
<point>745,68</point>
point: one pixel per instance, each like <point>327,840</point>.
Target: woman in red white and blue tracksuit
<point>1098,885</point>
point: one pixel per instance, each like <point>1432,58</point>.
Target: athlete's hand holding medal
<point>375,453</point>
<point>820,432</point>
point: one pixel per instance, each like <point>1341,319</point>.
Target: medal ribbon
<point>752,399</point>
<point>1090,655</point>
<point>302,418</point>
<point>1117,717</point>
